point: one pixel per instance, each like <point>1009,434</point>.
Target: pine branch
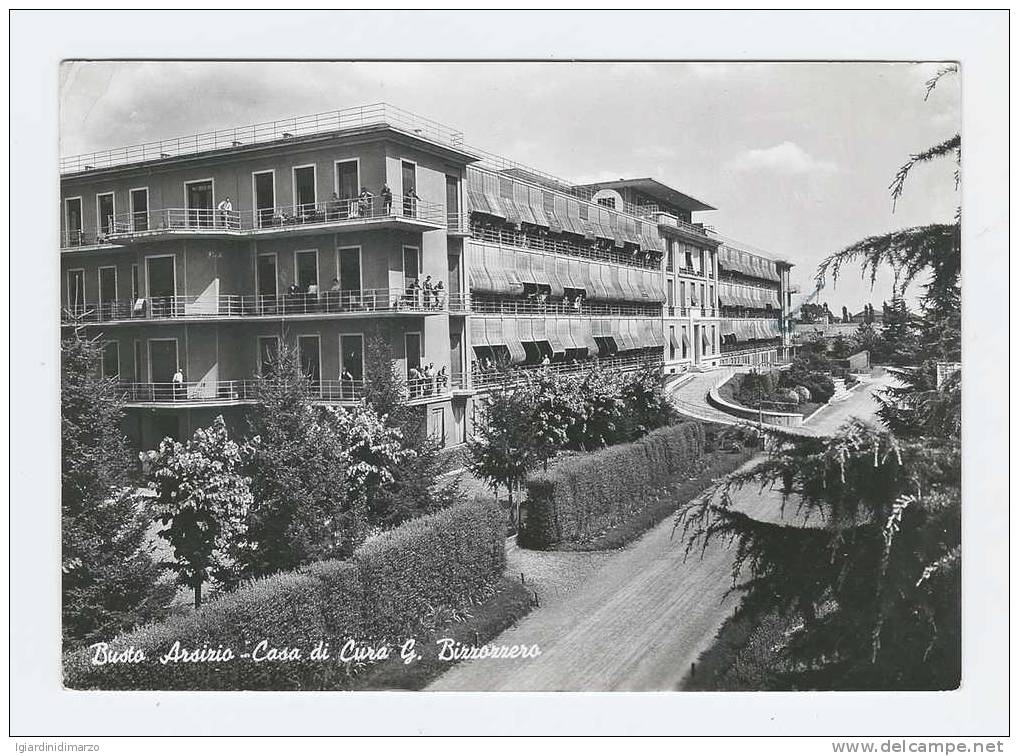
<point>939,150</point>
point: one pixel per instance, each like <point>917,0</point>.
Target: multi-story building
<point>197,258</point>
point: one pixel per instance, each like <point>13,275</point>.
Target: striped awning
<point>673,340</point>
<point>513,341</point>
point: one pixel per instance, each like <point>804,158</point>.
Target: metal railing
<point>546,244</point>
<point>460,302</point>
<point>562,308</point>
<point>668,219</point>
<point>201,392</point>
<point>260,305</point>
<point>78,238</point>
<point>376,114</point>
<point>330,212</point>
<point>481,379</point>
<point>458,223</point>
<point>339,391</point>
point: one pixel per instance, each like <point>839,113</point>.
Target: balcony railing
<point>481,379</point>
<point>377,114</point>
<point>555,246</point>
<point>336,212</point>
<point>460,302</point>
<point>78,238</point>
<point>458,223</point>
<point>261,305</point>
<point>562,309</point>
<point>669,220</point>
<point>246,391</point>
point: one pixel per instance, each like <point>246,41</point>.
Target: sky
<point>797,157</point>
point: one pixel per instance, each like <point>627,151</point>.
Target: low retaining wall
<point>770,417</point>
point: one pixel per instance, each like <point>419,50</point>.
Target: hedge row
<point>585,494</point>
<point>382,595</point>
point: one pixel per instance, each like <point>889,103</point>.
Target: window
<point>670,252</point>
<point>138,361</point>
<point>349,269</point>
<point>263,186</point>
<point>304,189</point>
<point>453,202</point>
<point>412,347</point>
<point>352,355</point>
<point>111,359</point>
<point>105,212</point>
<point>411,265</point>
<point>670,293</point>
<point>136,291</point>
<point>311,359</point>
<point>76,291</point>
<point>306,269</point>
<point>72,221</point>
<point>408,176</point>
<point>608,202</point>
<point>348,181</point>
<point>198,195</point>
<point>107,292</point>
<point>686,342</point>
<point>140,209</point>
<point>268,354</point>
<point>672,342</point>
<point>583,212</point>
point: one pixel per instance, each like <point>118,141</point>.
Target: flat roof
<point>272,133</point>
<point>657,190</point>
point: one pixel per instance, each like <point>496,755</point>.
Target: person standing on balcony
<point>387,199</point>
<point>347,384</point>
<point>443,376</point>
<point>410,203</point>
<point>225,208</point>
<point>333,298</point>
<point>439,294</point>
<point>364,203</point>
<point>427,292</point>
<point>414,381</point>
<point>178,384</point>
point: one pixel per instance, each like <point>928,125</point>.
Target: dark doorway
<point>162,366</point>
<point>199,199</point>
<point>265,198</point>
<point>408,171</point>
<point>311,363</point>
<point>105,204</point>
<point>453,203</point>
<point>162,285</point>
<point>107,292</point>
<point>140,209</point>
<point>304,190</point>
<point>267,285</point>
<point>73,222</point>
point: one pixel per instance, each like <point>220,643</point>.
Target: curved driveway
<point>639,617</point>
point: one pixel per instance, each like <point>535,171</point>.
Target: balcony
<point>79,241</point>
<point>334,216</point>
<point>460,302</point>
<point>378,302</point>
<point>458,225</point>
<point>239,392</point>
<point>668,222</point>
<point>562,309</point>
<point>558,247</point>
<point>479,380</point>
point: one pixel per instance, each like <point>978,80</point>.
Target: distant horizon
<point>797,157</point>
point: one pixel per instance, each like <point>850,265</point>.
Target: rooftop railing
<point>359,302</point>
<point>377,114</point>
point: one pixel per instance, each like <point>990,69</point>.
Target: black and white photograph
<point>487,376</point>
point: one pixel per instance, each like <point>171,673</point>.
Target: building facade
<point>196,259</point>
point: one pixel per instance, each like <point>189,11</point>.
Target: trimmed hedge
<point>582,495</point>
<point>382,595</point>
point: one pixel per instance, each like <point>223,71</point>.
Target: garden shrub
<point>382,594</point>
<point>587,493</point>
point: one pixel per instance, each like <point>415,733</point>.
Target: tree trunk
<point>198,595</point>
